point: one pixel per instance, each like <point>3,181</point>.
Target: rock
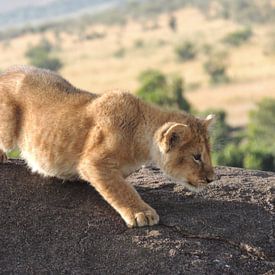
<point>47,225</point>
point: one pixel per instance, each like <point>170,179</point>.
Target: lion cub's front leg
<point>120,195</point>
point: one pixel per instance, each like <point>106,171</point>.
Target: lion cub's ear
<point>172,135</point>
<point>210,120</point>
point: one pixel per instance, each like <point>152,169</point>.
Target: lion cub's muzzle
<point>211,178</point>
<point>203,182</point>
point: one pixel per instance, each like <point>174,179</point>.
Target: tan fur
<point>66,132</point>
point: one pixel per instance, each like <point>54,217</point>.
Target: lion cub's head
<point>184,152</point>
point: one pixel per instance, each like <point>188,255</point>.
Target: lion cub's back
<point>41,84</point>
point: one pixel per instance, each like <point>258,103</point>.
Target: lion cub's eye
<point>197,157</point>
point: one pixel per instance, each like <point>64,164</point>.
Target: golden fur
<point>66,132</point>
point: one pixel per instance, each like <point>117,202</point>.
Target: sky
<point>14,4</point>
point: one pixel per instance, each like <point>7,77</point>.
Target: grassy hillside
<point>99,57</point>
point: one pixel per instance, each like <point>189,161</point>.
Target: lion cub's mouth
<point>188,185</point>
<point>192,187</point>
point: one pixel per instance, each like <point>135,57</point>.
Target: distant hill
<point>22,13</point>
<point>19,13</point>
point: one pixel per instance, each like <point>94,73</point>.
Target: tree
<point>259,158</point>
<point>186,51</point>
<point>43,48</point>
<point>253,148</point>
<point>237,38</point>
<point>230,155</point>
<point>260,146</point>
<point>173,23</point>
<point>177,89</point>
<point>216,67</point>
<point>261,127</point>
<point>41,56</point>
<point>154,88</point>
<point>161,90</point>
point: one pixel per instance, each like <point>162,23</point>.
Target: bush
<point>231,155</point>
<point>138,43</point>
<point>154,87</point>
<point>46,62</point>
<point>253,148</point>
<point>177,90</point>
<point>93,36</point>
<point>172,23</point>
<point>43,48</point>
<point>261,127</point>
<point>260,147</point>
<point>157,89</point>
<point>237,38</point>
<point>119,53</point>
<point>41,56</point>
<point>259,158</point>
<point>216,67</point>
<point>186,51</point>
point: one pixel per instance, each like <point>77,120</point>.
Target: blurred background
<point>202,56</point>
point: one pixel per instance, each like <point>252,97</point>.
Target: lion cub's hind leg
<point>3,157</point>
<point>8,125</point>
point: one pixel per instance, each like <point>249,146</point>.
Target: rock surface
<point>47,225</point>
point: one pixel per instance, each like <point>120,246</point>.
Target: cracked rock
<point>50,226</point>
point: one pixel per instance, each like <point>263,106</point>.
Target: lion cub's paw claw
<point>144,218</point>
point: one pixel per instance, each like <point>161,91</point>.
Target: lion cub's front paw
<point>145,217</point>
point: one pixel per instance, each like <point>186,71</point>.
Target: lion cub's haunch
<point>66,132</point>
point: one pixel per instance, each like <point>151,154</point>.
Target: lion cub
<point>65,132</point>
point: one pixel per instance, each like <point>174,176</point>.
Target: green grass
<point>14,154</point>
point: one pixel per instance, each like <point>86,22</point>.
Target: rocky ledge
<point>51,226</point>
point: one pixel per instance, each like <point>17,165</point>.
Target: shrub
<point>260,145</point>
<point>159,89</point>
<point>154,87</point>
<point>186,51</point>
<point>177,90</point>
<point>46,62</point>
<point>231,155</point>
<point>41,56</point>
<point>119,53</point>
<point>216,67</point>
<point>139,43</point>
<point>237,38</point>
<point>93,36</point>
<point>172,23</point>
<point>44,47</point>
<point>261,127</point>
<point>259,158</point>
